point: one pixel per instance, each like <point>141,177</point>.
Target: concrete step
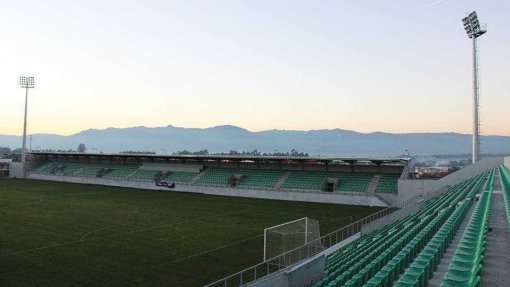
<point>381,198</point>
<point>282,179</point>
<point>197,177</point>
<point>132,173</point>
<point>372,186</point>
<point>78,171</point>
<point>438,275</point>
<point>496,270</point>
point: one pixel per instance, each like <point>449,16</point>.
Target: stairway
<point>282,179</point>
<point>197,177</point>
<point>450,251</point>
<point>131,174</point>
<point>497,249</point>
<point>78,171</point>
<point>372,186</point>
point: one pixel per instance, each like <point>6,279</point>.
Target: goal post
<point>290,235</point>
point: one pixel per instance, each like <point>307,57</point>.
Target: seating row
<point>378,259</point>
<point>388,183</point>
<point>316,180</point>
<point>110,171</point>
<point>467,262</point>
<point>505,185</point>
<point>357,182</point>
<point>423,267</point>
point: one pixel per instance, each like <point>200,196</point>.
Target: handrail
<point>336,192</point>
<point>312,248</point>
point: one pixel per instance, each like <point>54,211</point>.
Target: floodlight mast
<point>474,30</point>
<point>26,83</point>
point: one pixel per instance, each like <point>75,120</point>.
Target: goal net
<point>288,236</point>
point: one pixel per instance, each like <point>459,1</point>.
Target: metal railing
<point>251,187</point>
<point>310,249</point>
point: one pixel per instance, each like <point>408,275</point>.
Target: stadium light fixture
<point>475,30</point>
<point>26,83</point>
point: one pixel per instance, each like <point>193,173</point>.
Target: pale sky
<point>392,66</point>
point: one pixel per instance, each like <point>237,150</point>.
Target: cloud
<point>434,3</point>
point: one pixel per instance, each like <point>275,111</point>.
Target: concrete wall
<point>307,273</point>
<point>507,162</point>
<point>341,244</point>
<point>470,171</point>
<point>319,197</point>
<point>304,274</point>
<point>16,170</point>
<point>410,188</point>
<point>389,198</point>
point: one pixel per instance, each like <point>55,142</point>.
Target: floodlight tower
<point>474,30</point>
<point>26,83</point>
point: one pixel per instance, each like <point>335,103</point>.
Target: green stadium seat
<point>388,183</point>
<point>256,178</point>
<point>120,171</point>
<point>407,252</point>
<point>505,184</point>
<point>352,182</point>
<point>143,175</point>
<point>180,176</point>
<point>259,177</point>
<point>466,266</point>
<point>216,176</point>
<point>44,168</point>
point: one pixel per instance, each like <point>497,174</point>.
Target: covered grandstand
<point>369,181</point>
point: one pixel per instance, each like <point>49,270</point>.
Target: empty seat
<point>411,246</point>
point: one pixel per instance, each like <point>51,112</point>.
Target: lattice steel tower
<point>26,83</point>
<point>474,30</point>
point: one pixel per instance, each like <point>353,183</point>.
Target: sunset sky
<point>393,66</point>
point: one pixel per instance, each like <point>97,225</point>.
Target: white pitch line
<point>211,250</point>
<point>90,232</point>
<point>231,244</point>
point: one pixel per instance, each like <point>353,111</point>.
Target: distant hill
<point>334,142</point>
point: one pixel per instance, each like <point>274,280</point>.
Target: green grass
<point>63,234</point>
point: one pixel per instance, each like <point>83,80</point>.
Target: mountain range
<point>334,142</point>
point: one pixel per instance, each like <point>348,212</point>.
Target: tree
<point>5,150</point>
<point>82,148</point>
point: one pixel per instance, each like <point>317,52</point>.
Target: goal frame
<point>306,219</point>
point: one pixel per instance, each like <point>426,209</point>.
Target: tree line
<point>254,152</point>
<point>82,148</point>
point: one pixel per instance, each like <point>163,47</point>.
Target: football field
<point>63,234</point>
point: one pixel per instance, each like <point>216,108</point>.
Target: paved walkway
<point>496,270</point>
<point>447,256</point>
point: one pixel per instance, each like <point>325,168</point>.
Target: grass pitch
<point>63,234</point>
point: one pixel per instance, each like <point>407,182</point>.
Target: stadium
<point>369,182</point>
<point>373,223</point>
<point>81,218</point>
